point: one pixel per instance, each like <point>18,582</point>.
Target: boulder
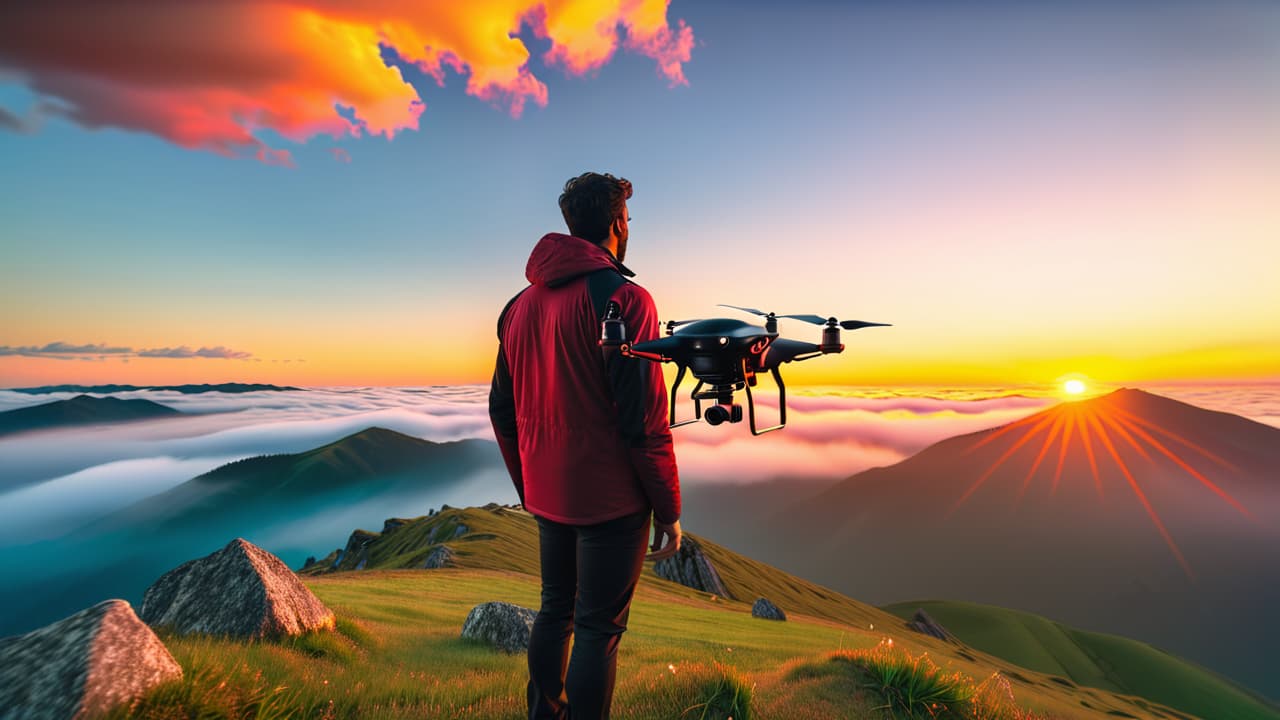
<point>763,608</point>
<point>461,530</point>
<point>442,556</point>
<point>239,591</point>
<point>83,665</point>
<point>922,623</point>
<point>691,568</point>
<point>501,624</point>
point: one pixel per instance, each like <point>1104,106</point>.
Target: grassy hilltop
<point>397,652</point>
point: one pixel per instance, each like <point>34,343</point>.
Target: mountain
<point>504,539</point>
<point>1129,513</point>
<point>188,389</point>
<point>80,410</point>
<point>284,503</point>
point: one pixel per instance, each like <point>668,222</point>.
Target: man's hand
<point>672,532</point>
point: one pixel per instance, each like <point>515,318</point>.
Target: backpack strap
<point>601,285</point>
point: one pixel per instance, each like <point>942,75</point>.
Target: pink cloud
<point>212,75</point>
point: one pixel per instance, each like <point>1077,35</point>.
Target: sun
<point>1073,387</point>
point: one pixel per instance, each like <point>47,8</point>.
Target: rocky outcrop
<point>460,530</point>
<point>239,591</point>
<point>442,556</point>
<point>392,524</point>
<point>356,554</point>
<point>763,608</point>
<point>501,624</point>
<point>83,665</point>
<point>922,623</point>
<point>691,568</point>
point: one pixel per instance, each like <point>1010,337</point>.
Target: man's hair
<point>591,202</point>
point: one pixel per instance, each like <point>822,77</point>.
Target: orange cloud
<point>212,75</point>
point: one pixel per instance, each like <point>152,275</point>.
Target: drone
<point>725,355</point>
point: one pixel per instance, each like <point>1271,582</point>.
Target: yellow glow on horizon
<point>1073,387</point>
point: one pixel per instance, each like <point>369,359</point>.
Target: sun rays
<point>1097,428</point>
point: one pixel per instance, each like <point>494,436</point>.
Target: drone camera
<point>720,413</point>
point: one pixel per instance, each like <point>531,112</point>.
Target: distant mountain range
<point>1128,513</point>
<point>80,410</point>
<point>281,502</point>
<point>189,389</point>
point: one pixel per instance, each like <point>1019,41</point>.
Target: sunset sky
<point>301,193</point>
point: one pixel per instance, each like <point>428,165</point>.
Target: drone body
<point>724,355</point>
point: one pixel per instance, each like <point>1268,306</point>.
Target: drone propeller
<point>855,324</point>
<point>750,310</point>
<point>815,319</point>
<point>678,323</point>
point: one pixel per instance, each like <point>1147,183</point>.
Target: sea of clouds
<point>51,480</point>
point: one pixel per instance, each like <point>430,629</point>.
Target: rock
<point>445,507</point>
<point>461,530</point>
<point>501,624</point>
<point>391,524</point>
<point>767,610</point>
<point>491,506</point>
<point>922,623</point>
<point>311,560</point>
<point>356,553</point>
<point>442,556</point>
<point>83,665</point>
<point>239,591</point>
<point>431,512</point>
<point>691,568</point>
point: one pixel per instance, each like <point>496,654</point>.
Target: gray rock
<point>461,530</point>
<point>763,608</point>
<point>442,556</point>
<point>691,568</point>
<point>83,665</point>
<point>501,624</point>
<point>311,560</point>
<point>922,623</point>
<point>239,591</point>
<point>356,553</point>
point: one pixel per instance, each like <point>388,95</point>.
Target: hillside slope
<point>1108,662</point>
<point>504,539</point>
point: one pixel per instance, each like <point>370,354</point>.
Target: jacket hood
<point>558,258</point>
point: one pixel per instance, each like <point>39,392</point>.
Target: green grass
<point>396,651</point>
<point>1092,659</point>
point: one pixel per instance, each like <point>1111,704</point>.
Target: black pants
<point>589,573</point>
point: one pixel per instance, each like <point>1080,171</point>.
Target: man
<point>585,437</point>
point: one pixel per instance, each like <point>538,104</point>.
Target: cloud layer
<point>212,75</point>
<point>64,475</point>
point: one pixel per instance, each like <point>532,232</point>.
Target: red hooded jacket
<point>584,431</point>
